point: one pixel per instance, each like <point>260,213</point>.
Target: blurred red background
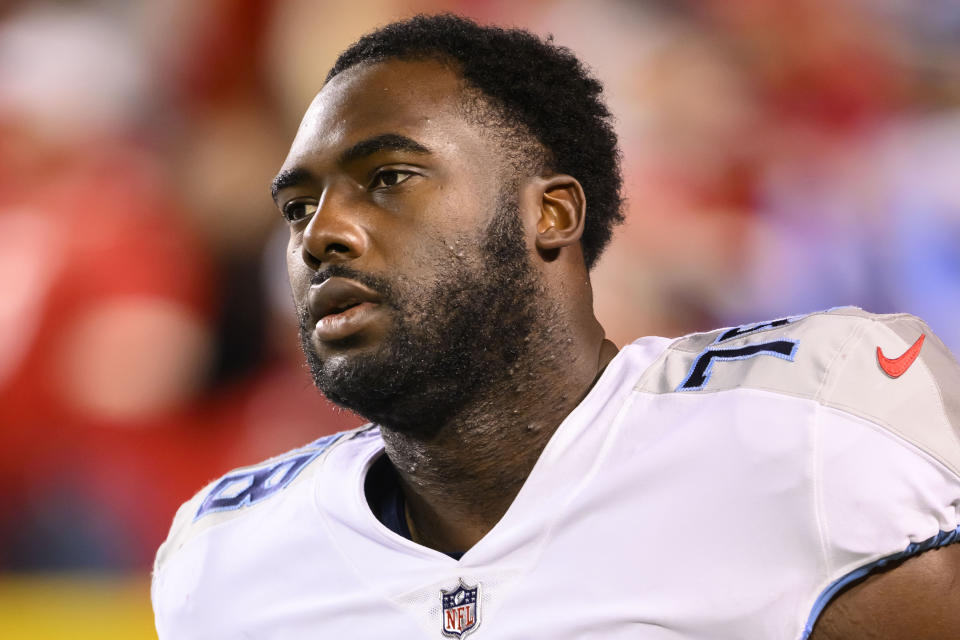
<point>780,157</point>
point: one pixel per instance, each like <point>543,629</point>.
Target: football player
<point>447,193</point>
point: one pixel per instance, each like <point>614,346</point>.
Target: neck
<point>460,480</point>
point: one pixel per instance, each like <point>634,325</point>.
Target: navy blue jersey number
<point>703,366</point>
<point>253,485</point>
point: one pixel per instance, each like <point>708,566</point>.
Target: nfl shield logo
<point>460,610</point>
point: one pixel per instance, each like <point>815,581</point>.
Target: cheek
<point>297,272</point>
<point>432,253</point>
<point>448,230</point>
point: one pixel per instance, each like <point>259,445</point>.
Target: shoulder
<point>891,370</point>
<point>876,399</point>
<point>237,493</point>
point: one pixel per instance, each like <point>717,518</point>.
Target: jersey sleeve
<point>229,499</point>
<point>878,397</point>
<point>888,454</point>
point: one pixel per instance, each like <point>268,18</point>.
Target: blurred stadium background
<point>780,157</point>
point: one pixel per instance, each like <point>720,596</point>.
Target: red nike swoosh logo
<point>897,366</point>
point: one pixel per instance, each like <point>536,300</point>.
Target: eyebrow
<point>288,178</point>
<point>383,142</point>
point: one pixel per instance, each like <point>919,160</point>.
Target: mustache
<point>382,286</point>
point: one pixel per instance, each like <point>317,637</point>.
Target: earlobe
<point>561,213</point>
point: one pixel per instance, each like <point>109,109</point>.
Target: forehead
<point>419,99</point>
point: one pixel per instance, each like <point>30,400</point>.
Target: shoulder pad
<point>890,369</point>
<point>231,495</point>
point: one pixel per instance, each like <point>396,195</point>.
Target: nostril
<point>336,247</point>
<point>309,259</point>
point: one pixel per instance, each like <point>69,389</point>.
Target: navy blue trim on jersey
<point>942,539</point>
<point>382,488</point>
<point>385,498</point>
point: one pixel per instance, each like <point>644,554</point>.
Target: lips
<point>340,307</point>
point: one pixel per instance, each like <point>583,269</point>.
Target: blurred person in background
<point>448,193</point>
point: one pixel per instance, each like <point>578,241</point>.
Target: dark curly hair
<point>534,87</point>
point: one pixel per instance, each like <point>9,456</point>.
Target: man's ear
<point>562,210</point>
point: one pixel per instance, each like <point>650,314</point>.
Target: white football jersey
<point>723,485</point>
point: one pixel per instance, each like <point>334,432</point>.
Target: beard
<point>451,343</point>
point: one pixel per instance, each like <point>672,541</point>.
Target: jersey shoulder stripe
<point>236,492</point>
<point>834,358</point>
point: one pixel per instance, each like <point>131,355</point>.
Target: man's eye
<point>389,178</point>
<point>298,210</point>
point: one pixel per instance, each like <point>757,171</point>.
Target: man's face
<point>408,255</point>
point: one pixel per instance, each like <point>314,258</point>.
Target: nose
<point>334,233</point>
